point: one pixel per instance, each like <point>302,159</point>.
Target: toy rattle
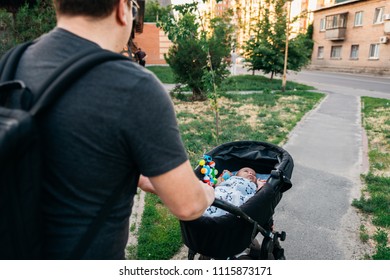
<point>208,170</point>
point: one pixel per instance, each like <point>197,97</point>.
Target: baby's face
<point>247,173</point>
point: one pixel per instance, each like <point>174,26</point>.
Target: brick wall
<point>154,42</point>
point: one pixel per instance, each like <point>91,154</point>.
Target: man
<point>104,132</point>
<point>141,57</point>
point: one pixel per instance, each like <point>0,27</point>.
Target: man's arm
<point>145,184</point>
<point>181,191</point>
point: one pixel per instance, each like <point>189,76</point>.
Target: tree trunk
<point>197,94</point>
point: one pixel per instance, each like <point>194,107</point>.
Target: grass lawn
<point>164,73</point>
<point>256,82</point>
<point>375,199</point>
<point>234,83</point>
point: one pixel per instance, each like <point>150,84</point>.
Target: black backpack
<point>20,153</point>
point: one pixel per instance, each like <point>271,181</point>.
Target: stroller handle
<point>235,210</point>
<point>227,206</point>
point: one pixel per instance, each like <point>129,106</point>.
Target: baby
<point>236,189</point>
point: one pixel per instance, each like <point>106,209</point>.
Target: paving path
<point>329,148</point>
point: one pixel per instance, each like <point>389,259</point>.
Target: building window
<point>320,52</point>
<point>354,52</point>
<point>322,24</point>
<point>336,21</point>
<point>335,52</point>
<point>374,51</point>
<point>358,18</point>
<point>378,16</point>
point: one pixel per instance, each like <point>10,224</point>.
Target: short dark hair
<point>93,8</point>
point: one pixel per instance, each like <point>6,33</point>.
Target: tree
<point>220,45</point>
<point>299,51</point>
<point>33,21</point>
<point>154,11</point>
<point>6,23</point>
<point>265,50</point>
<point>14,5</point>
<point>27,23</point>
<point>197,51</point>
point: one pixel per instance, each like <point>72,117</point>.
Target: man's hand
<point>182,192</point>
<point>260,183</point>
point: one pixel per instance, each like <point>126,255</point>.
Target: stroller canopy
<point>228,235</point>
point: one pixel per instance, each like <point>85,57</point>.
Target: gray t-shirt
<point>116,122</point>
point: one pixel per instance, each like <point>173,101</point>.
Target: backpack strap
<point>10,60</point>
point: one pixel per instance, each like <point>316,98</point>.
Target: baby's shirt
<point>236,190</point>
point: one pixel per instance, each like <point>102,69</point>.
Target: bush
<point>28,23</point>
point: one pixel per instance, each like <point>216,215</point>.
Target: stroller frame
<point>248,153</point>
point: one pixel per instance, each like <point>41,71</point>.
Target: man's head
<point>247,173</point>
<point>106,22</point>
<point>95,8</point>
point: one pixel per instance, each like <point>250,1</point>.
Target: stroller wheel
<point>271,249</point>
<point>191,254</point>
<point>282,235</point>
<point>255,250</point>
<point>204,258</point>
<point>278,251</point>
<point>279,254</point>
<point>267,247</point>
<point>245,257</point>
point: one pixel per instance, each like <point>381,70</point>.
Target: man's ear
<point>122,11</point>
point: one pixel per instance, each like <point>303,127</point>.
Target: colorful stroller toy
<point>227,236</point>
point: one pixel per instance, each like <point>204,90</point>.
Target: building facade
<point>154,42</point>
<point>353,36</point>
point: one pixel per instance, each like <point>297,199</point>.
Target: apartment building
<point>353,36</point>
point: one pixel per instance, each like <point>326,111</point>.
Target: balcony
<point>335,34</point>
<point>336,26</point>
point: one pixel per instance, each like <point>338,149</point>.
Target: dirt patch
<point>182,254</point>
<point>250,118</point>
<point>135,219</point>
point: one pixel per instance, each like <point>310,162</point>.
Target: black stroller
<point>227,236</point>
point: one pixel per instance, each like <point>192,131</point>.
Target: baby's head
<point>247,173</point>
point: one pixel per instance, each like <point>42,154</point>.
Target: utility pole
<point>286,50</point>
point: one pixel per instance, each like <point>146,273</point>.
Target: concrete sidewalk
<point>329,150</point>
<point>317,215</point>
